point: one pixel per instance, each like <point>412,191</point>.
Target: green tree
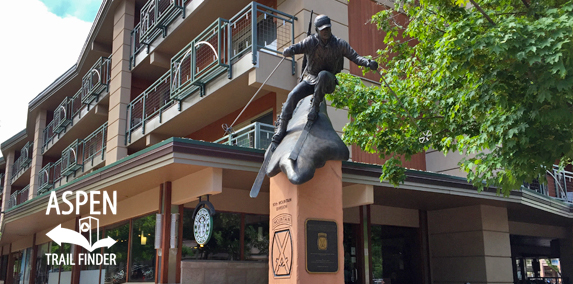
<point>492,78</point>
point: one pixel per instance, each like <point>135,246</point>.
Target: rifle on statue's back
<point>304,60</point>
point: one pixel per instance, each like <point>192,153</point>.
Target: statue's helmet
<point>321,22</point>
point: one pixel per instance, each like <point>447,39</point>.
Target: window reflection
<point>143,250</point>
<point>257,237</point>
<point>116,273</point>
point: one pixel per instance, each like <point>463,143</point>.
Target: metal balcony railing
<point>71,158</point>
<point>96,80</point>
<point>149,104</point>
<point>558,184</point>
<point>256,135</point>
<point>95,144</point>
<point>211,53</point>
<point>155,16</point>
<point>18,197</point>
<point>23,162</point>
<point>204,58</point>
<point>94,83</point>
<point>46,179</point>
<point>62,116</point>
<point>74,157</point>
<point>270,30</point>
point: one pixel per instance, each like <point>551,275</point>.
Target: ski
<point>261,175</point>
<point>300,142</point>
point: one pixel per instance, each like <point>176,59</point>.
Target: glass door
<point>351,267</point>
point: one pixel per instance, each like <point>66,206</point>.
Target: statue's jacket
<point>326,57</point>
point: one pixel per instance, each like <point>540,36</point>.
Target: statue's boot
<point>280,130</point>
<point>315,108</point>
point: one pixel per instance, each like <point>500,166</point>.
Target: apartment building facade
<point>140,114</point>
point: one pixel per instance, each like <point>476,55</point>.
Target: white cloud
<point>37,47</point>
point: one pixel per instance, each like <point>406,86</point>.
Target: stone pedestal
<point>291,206</point>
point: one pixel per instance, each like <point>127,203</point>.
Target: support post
<point>166,210</point>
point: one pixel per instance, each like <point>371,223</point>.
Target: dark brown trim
<point>102,252</point>
<point>2,277</point>
<point>369,238</point>
<point>76,269</point>
<point>166,232</point>
<point>157,257</point>
<point>424,240</point>
<point>10,272</point>
<point>129,245</point>
<point>360,245</point>
<point>33,261</point>
<point>242,238</point>
<point>179,244</point>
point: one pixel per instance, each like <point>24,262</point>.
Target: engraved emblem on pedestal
<point>282,247</point>
<point>322,241</point>
<point>282,253</point>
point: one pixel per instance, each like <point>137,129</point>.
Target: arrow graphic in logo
<point>61,235</point>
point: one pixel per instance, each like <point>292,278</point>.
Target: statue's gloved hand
<point>373,65</point>
<point>288,52</point>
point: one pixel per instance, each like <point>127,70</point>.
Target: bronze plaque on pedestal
<point>321,246</point>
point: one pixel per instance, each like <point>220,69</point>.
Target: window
<point>142,264</point>
<point>91,273</point>
<point>116,273</point>
<point>42,268</point>
<point>225,244</point>
<point>257,237</point>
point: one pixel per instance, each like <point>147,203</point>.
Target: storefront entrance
<point>394,254</point>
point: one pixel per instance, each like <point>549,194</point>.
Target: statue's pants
<point>325,84</point>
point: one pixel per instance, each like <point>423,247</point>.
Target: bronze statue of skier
<point>325,54</point>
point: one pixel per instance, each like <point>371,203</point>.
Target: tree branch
<point>433,117</point>
<point>482,12</point>
<point>525,3</point>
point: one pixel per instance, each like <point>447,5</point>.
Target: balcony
<point>18,197</point>
<point>558,185</point>
<point>72,109</point>
<point>23,162</point>
<point>156,16</point>
<point>196,70</point>
<point>79,157</point>
<point>256,135</point>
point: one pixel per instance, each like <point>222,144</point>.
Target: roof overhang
<point>175,158</point>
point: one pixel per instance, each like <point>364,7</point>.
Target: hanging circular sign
<point>203,226</point>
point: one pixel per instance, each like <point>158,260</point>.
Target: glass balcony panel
<point>256,135</point>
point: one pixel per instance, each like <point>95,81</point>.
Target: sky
<point>40,41</point>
